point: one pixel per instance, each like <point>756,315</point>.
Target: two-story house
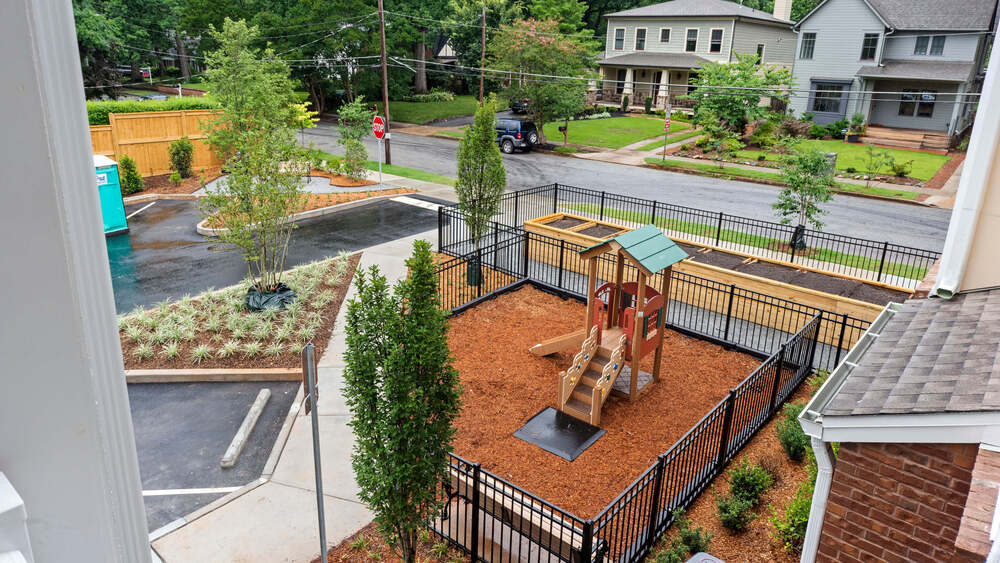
<point>656,50</point>
<point>914,66</point>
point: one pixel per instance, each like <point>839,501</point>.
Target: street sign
<point>666,130</point>
<point>666,124</point>
<point>378,127</point>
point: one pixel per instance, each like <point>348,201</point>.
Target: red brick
<point>868,547</point>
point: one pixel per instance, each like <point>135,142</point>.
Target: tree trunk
<point>347,85</point>
<point>565,132</point>
<point>182,56</point>
<point>136,73</point>
<point>408,546</point>
<point>420,78</point>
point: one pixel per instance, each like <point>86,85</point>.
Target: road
<point>900,223</point>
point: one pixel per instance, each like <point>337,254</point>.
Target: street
<point>900,223</point>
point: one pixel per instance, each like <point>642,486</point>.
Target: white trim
<point>614,38</point>
<point>645,39</point>
<point>722,40</point>
<point>878,40</point>
<point>696,38</point>
<point>670,34</point>
<point>821,493</point>
<point>763,50</point>
<point>802,40</point>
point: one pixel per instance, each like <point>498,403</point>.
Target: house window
<point>692,41</point>
<point>920,47</point>
<point>808,45</point>
<point>640,39</point>
<point>620,84</point>
<point>827,97</point>
<point>760,52</point>
<point>664,35</point>
<point>868,46</point>
<point>715,46</point>
<point>919,103</point>
<point>619,39</point>
<point>937,46</point>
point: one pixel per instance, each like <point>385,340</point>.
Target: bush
<point>624,104</point>
<point>747,481</point>
<point>902,169</point>
<point>836,129</point>
<point>790,527</point>
<point>680,116</point>
<point>97,111</point>
<point>175,178</point>
<point>130,178</point>
<point>172,72</point>
<point>734,512</point>
<point>649,104</point>
<point>601,115</point>
<point>181,152</point>
<point>817,131</point>
<point>850,170</point>
<point>763,134</point>
<point>432,96</point>
<point>790,434</point>
<point>964,143</point>
<point>686,543</point>
<point>857,123</point>
<point>761,157</point>
<point>807,116</point>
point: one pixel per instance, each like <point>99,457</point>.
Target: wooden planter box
<point>574,228</point>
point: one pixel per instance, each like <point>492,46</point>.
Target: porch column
<point>664,97</point>
<point>956,109</point>
<point>629,77</point>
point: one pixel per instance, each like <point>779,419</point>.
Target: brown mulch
<point>160,184</point>
<point>756,543</point>
<point>454,287</point>
<point>504,385</point>
<point>339,179</point>
<point>374,549</point>
<point>947,169</point>
<point>287,359</point>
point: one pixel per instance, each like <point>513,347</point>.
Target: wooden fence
<point>145,137</point>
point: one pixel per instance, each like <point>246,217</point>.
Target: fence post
<point>587,545</point>
<point>729,311</point>
<point>718,229</point>
<point>815,342</point>
<point>476,468</point>
<point>555,198</point>
<point>602,204</point>
<point>791,249</point>
<point>881,263</point>
<point>654,212</point>
<point>524,253</point>
<point>727,422</point>
<point>777,378</point>
<point>654,512</point>
<point>479,264</point>
<point>496,235</point>
<point>440,228</point>
<point>840,341</point>
<point>517,197</point>
<point>562,253</point>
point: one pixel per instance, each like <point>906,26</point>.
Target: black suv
<point>516,134</point>
<point>519,105</point>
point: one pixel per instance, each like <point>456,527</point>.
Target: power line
<point>443,23</point>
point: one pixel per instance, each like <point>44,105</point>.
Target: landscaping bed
<point>504,385</point>
<point>214,330</point>
<point>367,546</point>
<point>160,184</point>
<point>339,179</point>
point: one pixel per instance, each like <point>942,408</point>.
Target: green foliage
<point>649,104</point>
<point>806,172</point>
<point>876,160</point>
<point>763,134</point>
<point>98,111</point>
<point>836,128</point>
<point>463,28</point>
<point>963,145</point>
<point>129,175</point>
<point>432,96</point>
<point>404,397</point>
<point>687,542</point>
<point>748,481</point>
<point>793,440</point>
<point>817,131</point>
<point>901,169</point>
<point>718,140</point>
<point>175,178</point>
<point>734,512</point>
<point>569,13</point>
<point>181,153</point>
<point>733,90</point>
<point>625,103</point>
<point>790,527</point>
<point>857,122</point>
<point>481,173</point>
<point>355,123</point>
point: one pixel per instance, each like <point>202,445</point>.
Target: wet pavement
<point>163,256</point>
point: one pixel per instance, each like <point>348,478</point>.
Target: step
<point>589,378</point>
<point>891,142</point>
<point>584,391</point>
<point>577,409</point>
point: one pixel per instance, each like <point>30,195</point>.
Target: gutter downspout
<point>821,492</point>
<point>972,186</point>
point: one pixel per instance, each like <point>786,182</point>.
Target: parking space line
<point>417,202</point>
<point>140,210</point>
<point>205,491</point>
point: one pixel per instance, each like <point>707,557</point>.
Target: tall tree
<point>809,178</point>
<point>464,30</point>
<point>481,173</point>
<point>404,397</point>
<point>733,91</point>
<point>569,13</point>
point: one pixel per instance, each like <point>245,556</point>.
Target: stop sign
<point>378,126</point>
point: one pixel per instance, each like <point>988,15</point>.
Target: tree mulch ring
<point>367,546</point>
<point>185,325</point>
<point>339,179</point>
<point>504,385</point>
<point>160,184</point>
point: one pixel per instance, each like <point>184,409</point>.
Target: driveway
<point>900,223</point>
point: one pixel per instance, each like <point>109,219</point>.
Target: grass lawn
<point>403,171</point>
<point>456,134</point>
<point>422,112</point>
<point>670,139</point>
<point>612,133</point>
<point>854,155</point>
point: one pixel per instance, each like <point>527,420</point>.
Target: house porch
<point>664,85</point>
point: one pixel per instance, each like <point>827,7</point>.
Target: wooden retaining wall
<point>145,137</point>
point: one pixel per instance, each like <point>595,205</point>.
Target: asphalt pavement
<point>900,223</point>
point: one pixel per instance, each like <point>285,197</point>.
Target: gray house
<point>907,65</point>
<point>654,51</point>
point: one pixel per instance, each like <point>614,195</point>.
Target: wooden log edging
<point>194,375</point>
<point>204,229</point>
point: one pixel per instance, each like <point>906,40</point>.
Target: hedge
<point>97,111</point>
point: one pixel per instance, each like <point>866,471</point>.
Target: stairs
<point>585,386</point>
<point>907,138</point>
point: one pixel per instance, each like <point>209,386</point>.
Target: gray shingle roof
<point>936,15</point>
<point>697,8</point>
<point>933,356</point>
<point>920,70</point>
<point>656,60</point>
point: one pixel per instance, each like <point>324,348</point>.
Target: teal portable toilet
<point>109,187</point>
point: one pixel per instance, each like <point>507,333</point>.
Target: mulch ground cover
<point>160,184</point>
<point>368,546</point>
<point>504,385</point>
<point>340,179</point>
<point>172,332</point>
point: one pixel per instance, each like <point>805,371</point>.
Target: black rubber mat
<point>559,433</point>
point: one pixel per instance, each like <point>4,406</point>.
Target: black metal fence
<point>878,261</point>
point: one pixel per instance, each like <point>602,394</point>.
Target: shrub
<point>649,105</point>
<point>761,157</point>
<point>680,116</point>
<point>850,170</point>
<point>857,123</point>
<point>601,115</point>
<point>817,131</point>
<point>355,124</point>
<point>129,174</point>
<point>790,434</point>
<point>734,512</point>
<point>836,129</point>
<point>964,143</point>
<point>747,481</point>
<point>902,169</point>
<point>763,134</point>
<point>807,116</point>
<point>686,543</point>
<point>97,111</point>
<point>181,152</point>
<point>790,527</point>
<point>624,104</point>
<point>175,178</point>
<point>432,96</point>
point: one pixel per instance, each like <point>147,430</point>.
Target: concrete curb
<point>207,231</point>
<point>246,428</point>
<point>212,375</point>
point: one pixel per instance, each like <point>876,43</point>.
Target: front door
<point>657,76</point>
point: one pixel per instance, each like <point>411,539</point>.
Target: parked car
<point>516,134</point>
<point>519,105</point>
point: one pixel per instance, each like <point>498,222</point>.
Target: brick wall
<point>896,502</point>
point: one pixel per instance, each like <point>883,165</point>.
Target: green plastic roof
<point>649,247</point>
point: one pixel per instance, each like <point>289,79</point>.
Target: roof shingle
<point>939,15</point>
<point>698,8</point>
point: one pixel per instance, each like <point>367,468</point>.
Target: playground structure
<point>624,323</point>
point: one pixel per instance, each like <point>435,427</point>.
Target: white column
<point>629,78</point>
<point>664,89</point>
<point>66,440</point>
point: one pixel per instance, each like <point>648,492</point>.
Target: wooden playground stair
<point>587,384</point>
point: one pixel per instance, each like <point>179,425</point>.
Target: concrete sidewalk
<point>274,519</point>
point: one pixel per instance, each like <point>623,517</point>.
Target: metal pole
<point>385,81</point>
<point>309,353</point>
<point>380,164</point>
<point>718,229</point>
<point>666,131</point>
<point>777,378</point>
<point>727,422</point>
<point>476,477</point>
<point>729,311</point>
<point>840,341</point>
<point>881,263</point>
<point>482,56</point>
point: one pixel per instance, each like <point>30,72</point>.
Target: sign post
<point>378,129</point>
<point>666,133</point>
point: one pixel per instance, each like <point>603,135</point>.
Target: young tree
<point>255,135</point>
<point>876,160</point>
<point>481,174</point>
<point>733,91</point>
<point>355,123</point>
<point>807,173</point>
<point>569,13</point>
<point>404,397</point>
<point>531,50</point>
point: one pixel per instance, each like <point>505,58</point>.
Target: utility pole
<point>482,56</point>
<point>385,80</point>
